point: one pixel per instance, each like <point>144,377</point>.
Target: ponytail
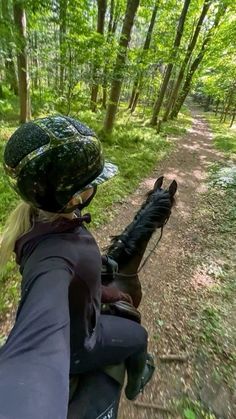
<point>17,224</point>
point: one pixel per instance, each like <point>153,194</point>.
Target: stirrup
<point>148,372</point>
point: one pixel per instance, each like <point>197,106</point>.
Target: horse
<point>96,395</point>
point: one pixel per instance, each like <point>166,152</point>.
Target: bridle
<point>119,274</point>
<point>146,258</point>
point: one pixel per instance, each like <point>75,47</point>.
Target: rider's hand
<point>109,265</point>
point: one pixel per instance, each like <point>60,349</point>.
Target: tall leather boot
<point>140,369</point>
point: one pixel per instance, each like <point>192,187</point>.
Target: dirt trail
<point>170,284</point>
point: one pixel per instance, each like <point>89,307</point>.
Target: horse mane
<point>153,214</point>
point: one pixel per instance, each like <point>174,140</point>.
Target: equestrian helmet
<point>52,159</point>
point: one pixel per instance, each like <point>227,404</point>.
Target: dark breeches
<point>117,340</point>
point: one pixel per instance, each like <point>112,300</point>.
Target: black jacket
<point>67,246</point>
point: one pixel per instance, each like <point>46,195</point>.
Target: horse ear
<point>158,183</point>
<point>173,188</point>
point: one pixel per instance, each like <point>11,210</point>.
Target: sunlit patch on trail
<point>201,279</point>
<point>208,275</point>
<point>148,183</point>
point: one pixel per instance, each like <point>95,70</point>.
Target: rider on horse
<point>55,165</point>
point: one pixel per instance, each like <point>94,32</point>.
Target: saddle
<point>122,309</point>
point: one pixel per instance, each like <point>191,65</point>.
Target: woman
<point>55,165</point>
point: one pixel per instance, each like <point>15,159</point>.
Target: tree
<point>138,80</point>
<point>110,32</point>
<point>191,46</point>
<point>22,60</point>
<point>102,6</point>
<point>118,73</point>
<point>11,76</point>
<point>62,34</point>
<point>195,64</point>
<point>179,33</point>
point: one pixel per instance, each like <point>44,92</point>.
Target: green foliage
<point>224,137</point>
<point>8,199</point>
<point>189,414</point>
<point>10,288</point>
<point>211,325</point>
<point>191,409</point>
<point>8,106</point>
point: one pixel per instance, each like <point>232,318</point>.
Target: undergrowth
<point>223,136</point>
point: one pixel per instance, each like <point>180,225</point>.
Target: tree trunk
<point>22,61</point>
<point>224,107</point>
<point>11,76</point>
<point>135,101</point>
<point>217,107</point>
<point>1,92</point>
<point>118,74</point>
<point>135,86</point>
<point>102,6</point>
<point>138,79</point>
<point>207,104</point>
<point>116,17</point>
<point>179,33</point>
<point>187,84</point>
<point>35,78</point>
<point>104,96</point>
<point>227,107</point>
<point>233,118</point>
<point>11,72</point>
<point>105,71</point>
<point>110,23</point>
<point>62,34</point>
<point>191,46</point>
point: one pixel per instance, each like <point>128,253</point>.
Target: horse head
<point>128,248</point>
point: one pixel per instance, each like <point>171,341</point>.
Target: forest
<point>156,81</point>
<point>107,55</point>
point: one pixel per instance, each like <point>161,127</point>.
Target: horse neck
<point>128,248</point>
<point>129,262</point>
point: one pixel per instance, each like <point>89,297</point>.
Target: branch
<point>154,406</point>
<point>174,357</point>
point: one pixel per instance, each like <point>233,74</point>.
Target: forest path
<point>173,285</point>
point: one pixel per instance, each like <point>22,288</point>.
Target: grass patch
<point>178,126</point>
<point>224,137</point>
<point>193,410</point>
<point>212,331</point>
<point>10,288</point>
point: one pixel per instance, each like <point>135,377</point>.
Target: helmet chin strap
<point>87,202</point>
<point>80,206</point>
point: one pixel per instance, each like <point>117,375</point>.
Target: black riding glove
<point>109,266</point>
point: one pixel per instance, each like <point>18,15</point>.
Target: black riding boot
<point>140,369</point>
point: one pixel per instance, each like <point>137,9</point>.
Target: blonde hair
<point>19,222</point>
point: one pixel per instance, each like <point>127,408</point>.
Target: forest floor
<point>188,288</point>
